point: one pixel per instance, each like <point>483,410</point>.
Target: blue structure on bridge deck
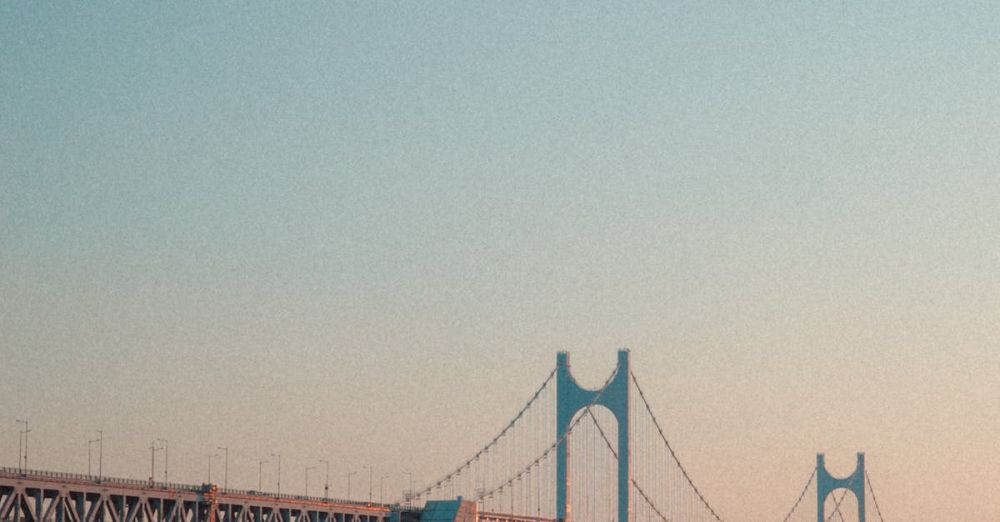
<point>457,510</point>
<point>571,398</point>
<point>826,484</point>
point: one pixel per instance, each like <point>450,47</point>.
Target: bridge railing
<point>61,475</point>
<point>303,498</point>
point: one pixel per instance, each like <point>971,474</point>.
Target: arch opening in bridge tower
<point>571,399</point>
<point>827,485</point>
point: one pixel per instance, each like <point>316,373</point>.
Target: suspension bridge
<point>570,454</point>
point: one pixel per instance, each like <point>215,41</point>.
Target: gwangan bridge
<point>570,454</point>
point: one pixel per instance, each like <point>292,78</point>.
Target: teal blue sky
<point>297,227</point>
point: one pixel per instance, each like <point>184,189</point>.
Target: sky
<point>328,230</point>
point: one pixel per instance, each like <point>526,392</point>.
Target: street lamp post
<point>279,470</point>
<point>166,458</point>
<point>100,454</point>
<point>90,444</point>
<point>26,431</point>
<point>326,484</point>
<point>152,460</point>
<point>210,457</point>
<point>380,482</point>
<point>225,478</point>
<point>371,472</point>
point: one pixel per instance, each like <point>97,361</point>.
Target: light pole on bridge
<point>326,484</point>
<point>225,478</point>
<point>90,444</point>
<point>278,455</point>
<point>380,482</point>
<point>370,475</point>
<point>166,458</point>
<point>25,432</point>
<point>152,460</point>
<point>100,454</point>
<point>210,457</point>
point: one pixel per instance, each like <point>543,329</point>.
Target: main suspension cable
<point>556,444</point>
<point>614,453</point>
<point>875,500</point>
<point>801,495</point>
<point>465,465</point>
<point>671,449</point>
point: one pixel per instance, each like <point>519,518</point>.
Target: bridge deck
<point>42,496</point>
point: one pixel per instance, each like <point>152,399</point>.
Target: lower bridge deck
<point>41,496</point>
<point>45,496</point>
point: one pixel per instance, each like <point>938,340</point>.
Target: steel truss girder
<point>45,497</point>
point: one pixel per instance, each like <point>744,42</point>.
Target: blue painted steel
<point>826,484</point>
<point>571,398</point>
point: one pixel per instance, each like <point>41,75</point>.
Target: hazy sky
<point>328,230</point>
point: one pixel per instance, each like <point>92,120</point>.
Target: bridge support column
<point>571,398</point>
<point>826,484</point>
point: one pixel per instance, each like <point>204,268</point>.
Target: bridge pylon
<point>571,398</point>
<point>826,484</point>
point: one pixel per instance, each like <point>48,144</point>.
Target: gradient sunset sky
<point>329,229</point>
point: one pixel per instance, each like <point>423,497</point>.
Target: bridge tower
<point>571,398</point>
<point>826,484</point>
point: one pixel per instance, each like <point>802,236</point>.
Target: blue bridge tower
<point>826,484</point>
<point>571,398</point>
